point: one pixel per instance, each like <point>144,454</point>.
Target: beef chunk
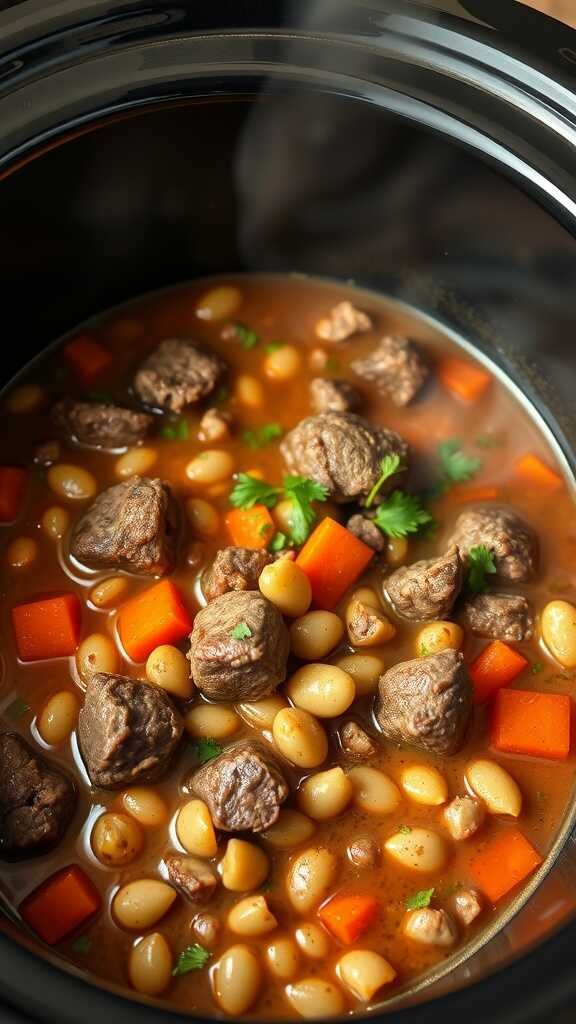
<point>463,816</point>
<point>234,569</point>
<point>100,425</point>
<point>426,589</point>
<point>366,531</point>
<point>363,852</point>
<point>367,625</point>
<point>177,374</point>
<point>355,741</point>
<point>226,668</point>
<point>342,451</point>
<point>499,616</point>
<point>430,927</point>
<point>244,787</point>
<point>396,367</point>
<point>195,878</point>
<point>37,800</point>
<point>132,525</point>
<point>333,395</point>
<point>466,906</point>
<point>342,322</point>
<point>511,541</point>
<point>426,702</point>
<point>128,731</point>
<point>214,426</point>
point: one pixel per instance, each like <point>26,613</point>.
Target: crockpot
<point>427,150</point>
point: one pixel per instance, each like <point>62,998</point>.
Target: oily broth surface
<point>285,309</point>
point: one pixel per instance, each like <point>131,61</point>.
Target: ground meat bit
<point>37,800</point>
<point>214,426</point>
<point>234,569</point>
<point>100,425</point>
<point>426,702</point>
<point>511,541</point>
<point>355,741</point>
<point>466,906</point>
<point>206,929</point>
<point>177,374</point>
<point>224,667</point>
<point>343,452</point>
<point>132,525</point>
<point>431,927</point>
<point>397,368</point>
<point>463,817</point>
<point>363,852</point>
<point>426,589</point>
<point>195,878</point>
<point>499,617</point>
<point>367,532</point>
<point>367,625</point>
<point>333,395</point>
<point>128,731</point>
<point>244,787</point>
<point>342,322</point>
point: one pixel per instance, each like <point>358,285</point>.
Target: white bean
<point>289,830</point>
<point>108,593</point>
<point>136,462</point>
<point>325,795</point>
<point>55,521</point>
<point>22,552</point>
<point>374,792</point>
<point>236,979</point>
<point>244,866</point>
<point>495,787</point>
<point>58,717</point>
<point>323,690</point>
<point>364,972</point>
<point>300,738</point>
<point>283,958</point>
<point>315,634</point>
<point>146,805</point>
<point>365,670</point>
<point>315,998</point>
<point>142,903</point>
<point>312,940</point>
<point>558,625</point>
<point>218,721</point>
<point>251,917</point>
<point>203,517</point>
<point>438,636</point>
<point>210,467</point>
<point>97,653</point>
<point>260,714</point>
<point>287,586</point>
<point>310,876</point>
<point>219,302</point>
<point>195,829</point>
<point>424,784</point>
<point>150,965</point>
<point>116,839</point>
<point>419,850</point>
<point>249,391</point>
<point>168,668</point>
<point>72,482</point>
<point>283,364</point>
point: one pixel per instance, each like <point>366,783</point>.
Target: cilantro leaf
<point>400,514</point>
<point>278,543</point>
<point>262,435</point>
<point>419,900</point>
<point>389,465</point>
<point>176,430</point>
<point>480,565</point>
<point>273,346</point>
<point>301,492</point>
<point>206,749</point>
<point>536,668</point>
<point>17,709</point>
<point>249,491</point>
<point>247,337</point>
<point>241,631</point>
<point>193,958</point>
<point>455,464</point>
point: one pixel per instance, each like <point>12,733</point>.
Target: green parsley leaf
<point>423,651</point>
<point>17,709</point>
<point>278,543</point>
<point>176,430</point>
<point>480,565</point>
<point>404,830</point>
<point>193,958</point>
<point>249,491</point>
<point>81,945</point>
<point>207,749</point>
<point>456,465</point>
<point>264,529</point>
<point>400,514</point>
<point>301,492</point>
<point>389,465</point>
<point>241,631</point>
<point>262,435</point>
<point>247,337</point>
<point>536,668</point>
<point>273,346</point>
<point>419,900</point>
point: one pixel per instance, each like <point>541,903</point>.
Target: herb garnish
<point>419,900</point>
<point>278,543</point>
<point>273,346</point>
<point>536,668</point>
<point>241,631</point>
<point>262,436</point>
<point>177,430</point>
<point>249,491</point>
<point>193,958</point>
<point>400,514</point>
<point>299,490</point>
<point>456,466</point>
<point>480,565</point>
<point>389,465</point>
<point>247,337</point>
<point>207,748</point>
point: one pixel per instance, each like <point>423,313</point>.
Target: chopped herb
<point>536,668</point>
<point>17,709</point>
<point>193,958</point>
<point>177,430</point>
<point>480,565</point>
<point>400,514</point>
<point>247,337</point>
<point>424,651</point>
<point>301,492</point>
<point>404,830</point>
<point>105,397</point>
<point>206,749</point>
<point>273,346</point>
<point>262,435</point>
<point>420,899</point>
<point>389,465</point>
<point>278,543</point>
<point>455,464</point>
<point>332,364</point>
<point>249,491</point>
<point>82,944</point>
<point>490,440</point>
<point>264,529</point>
<point>241,631</point>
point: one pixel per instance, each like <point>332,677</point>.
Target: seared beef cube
<point>128,731</point>
<point>333,395</point>
<point>238,647</point>
<point>195,878</point>
<point>342,322</point>
<point>499,617</point>
<point>244,787</point>
<point>367,625</point>
<point>426,702</point>
<point>100,425</point>
<point>396,367</point>
<point>512,543</point>
<point>426,589</point>
<point>342,451</point>
<point>177,374</point>
<point>132,525</point>
<point>367,532</point>
<point>234,569</point>
<point>214,426</point>
<point>355,741</point>
<point>37,800</point>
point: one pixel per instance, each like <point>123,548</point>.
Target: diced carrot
<point>349,915</point>
<point>12,481</point>
<point>61,904</point>
<point>538,724</point>
<point>496,666</point>
<point>86,357</point>
<point>155,616</point>
<point>463,379</point>
<point>250,527</point>
<point>505,861</point>
<point>333,559</point>
<point>533,470</point>
<point>463,493</point>
<point>47,628</point>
